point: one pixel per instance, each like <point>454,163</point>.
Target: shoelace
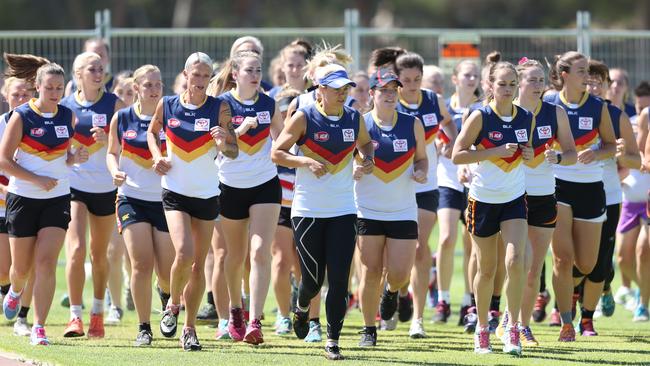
<point>40,333</point>
<point>514,335</point>
<point>528,334</point>
<point>484,339</point>
<point>12,302</point>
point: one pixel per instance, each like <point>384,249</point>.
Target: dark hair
<point>31,68</point>
<point>643,89</point>
<point>409,60</point>
<point>386,55</point>
<point>562,63</point>
<point>494,63</point>
<point>598,68</point>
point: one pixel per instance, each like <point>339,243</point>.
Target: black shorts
<point>200,208</point>
<point>542,211</point>
<point>235,202</point>
<point>405,229</point>
<point>26,216</point>
<point>98,204</point>
<point>587,200</point>
<point>451,198</point>
<point>285,217</point>
<point>428,200</point>
<point>484,219</point>
<point>131,210</point>
<point>3,225</point>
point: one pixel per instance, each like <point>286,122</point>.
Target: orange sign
<point>460,50</point>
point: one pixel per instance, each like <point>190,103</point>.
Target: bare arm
<point>627,155</point>
<point>113,155</point>
<point>294,129</point>
<point>607,136</point>
<point>160,165</point>
<point>565,138</point>
<point>276,123</point>
<point>642,129</point>
<point>462,154</point>
<point>228,146</point>
<point>421,162</point>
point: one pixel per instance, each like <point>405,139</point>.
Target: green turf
<point>621,343</point>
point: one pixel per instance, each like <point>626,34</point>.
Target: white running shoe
<point>390,324</point>
<point>21,328</point>
<point>417,329</point>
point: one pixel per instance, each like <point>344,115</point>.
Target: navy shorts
<point>285,217</point>
<point>404,229</point>
<point>3,225</point>
<point>131,210</point>
<point>236,202</point>
<point>451,198</point>
<point>542,210</point>
<point>26,216</point>
<point>428,200</point>
<point>200,208</point>
<point>98,204</point>
<point>484,219</point>
<point>587,200</point>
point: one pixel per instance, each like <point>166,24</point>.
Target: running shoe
<point>38,338</point>
<point>633,301</point>
<point>144,338</point>
<point>11,306</point>
<point>75,328</point>
<point>388,304</point>
<point>482,341</point>
<point>527,337</point>
<point>443,311</point>
<point>607,304</point>
<point>512,340</point>
<point>254,334</point>
<point>586,328</point>
<point>333,352</point>
<point>539,311</point>
<point>368,338</point>
<point>493,320</point>
<point>416,330</point>
<point>65,301</point>
<point>283,325</point>
<point>169,322</point>
<point>462,313</point>
<point>301,323</point>
<point>622,295</point>
<point>405,307</point>
<point>189,341</point>
<point>207,313</point>
<point>237,325</point>
<point>315,334</point>
<point>470,320</point>
<point>390,324</point>
<point>96,328</point>
<point>21,328</point>
<point>353,302</point>
<point>567,333</point>
<point>222,330</point>
<point>641,314</point>
<point>556,319</point>
<point>130,305</point>
<point>501,328</point>
<point>114,316</point>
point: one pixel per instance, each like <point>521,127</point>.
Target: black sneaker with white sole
<point>144,338</point>
<point>368,337</point>
<point>189,340</point>
<point>300,323</point>
<point>388,304</point>
<point>169,323</point>
<point>333,352</point>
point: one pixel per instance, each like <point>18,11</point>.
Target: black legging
<point>603,268</point>
<point>326,244</point>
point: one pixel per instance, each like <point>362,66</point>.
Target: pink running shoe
<point>254,333</point>
<point>237,325</point>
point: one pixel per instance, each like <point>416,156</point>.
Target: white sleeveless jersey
<point>3,198</point>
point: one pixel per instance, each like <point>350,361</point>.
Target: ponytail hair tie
<point>522,60</point>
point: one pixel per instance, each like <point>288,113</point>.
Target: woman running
<point>35,152</point>
<point>500,133</point>
<point>386,201</point>
<point>140,215</point>
<point>92,193</point>
<point>579,187</point>
<point>323,213</point>
<point>193,123</point>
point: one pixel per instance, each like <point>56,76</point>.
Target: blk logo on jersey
<point>237,120</point>
<point>585,123</point>
<point>173,122</point>
<point>348,135</point>
<point>99,120</point>
<point>495,135</point>
<point>202,124</point>
<point>61,132</point>
<point>522,135</point>
<point>321,136</point>
<point>37,132</point>
<point>400,145</point>
<point>544,132</point>
<point>130,134</point>
<point>430,119</point>
<point>264,117</point>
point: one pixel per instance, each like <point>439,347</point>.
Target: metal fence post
<point>98,23</point>
<point>583,24</point>
<point>351,25</point>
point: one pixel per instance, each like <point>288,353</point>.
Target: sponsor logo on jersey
<point>37,132</point>
<point>237,120</point>
<point>99,120</point>
<point>495,135</point>
<point>400,145</point>
<point>173,122</point>
<point>348,135</point>
<point>202,124</point>
<point>321,136</point>
<point>544,132</point>
<point>130,134</point>
<point>61,132</point>
<point>264,117</point>
<point>585,123</point>
<point>522,135</point>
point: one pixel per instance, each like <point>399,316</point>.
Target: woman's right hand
<point>119,178</point>
<point>161,166</point>
<point>45,183</point>
<point>317,168</point>
<point>507,150</point>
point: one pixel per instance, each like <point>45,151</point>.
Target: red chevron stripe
<point>43,148</point>
<point>586,137</point>
<point>542,148</point>
<point>143,153</point>
<point>388,167</point>
<point>83,139</point>
<point>286,185</point>
<point>187,146</point>
<point>431,132</point>
<point>252,140</point>
<point>326,154</point>
<point>488,144</point>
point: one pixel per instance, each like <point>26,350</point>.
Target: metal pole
<point>579,41</point>
<point>351,25</point>
<point>586,37</point>
<point>98,24</point>
<point>106,14</point>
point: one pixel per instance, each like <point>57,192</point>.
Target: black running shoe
<point>368,337</point>
<point>405,308</point>
<point>143,338</point>
<point>189,341</point>
<point>208,313</point>
<point>169,323</point>
<point>164,298</point>
<point>388,304</point>
<point>470,320</point>
<point>463,312</point>
<point>333,352</point>
<point>300,323</point>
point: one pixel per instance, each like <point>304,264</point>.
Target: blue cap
<point>336,79</point>
<point>382,77</point>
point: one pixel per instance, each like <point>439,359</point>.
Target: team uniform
<point>191,185</point>
<point>251,178</point>
<point>540,182</point>
<point>287,177</point>
<point>497,191</point>
<point>4,118</point>
<point>42,151</point>
<point>139,197</point>
<point>428,111</point>
<point>323,212</point>
<point>91,182</point>
<point>580,186</point>
<point>385,199</point>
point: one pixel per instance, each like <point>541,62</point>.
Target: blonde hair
<point>81,61</point>
<point>197,58</point>
<point>140,73</point>
<point>247,39</point>
<point>327,55</point>
<point>9,81</point>
<point>224,81</point>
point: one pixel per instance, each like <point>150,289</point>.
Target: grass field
<point>621,343</point>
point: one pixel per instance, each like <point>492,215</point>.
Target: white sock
<point>444,296</point>
<point>14,294</point>
<point>75,311</point>
<point>467,300</point>
<point>98,306</point>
